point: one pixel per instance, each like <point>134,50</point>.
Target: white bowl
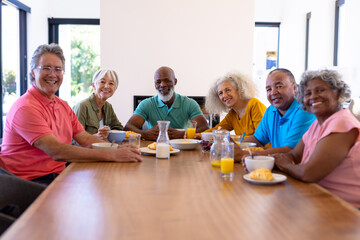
<point>104,146</point>
<point>184,144</point>
<point>207,136</point>
<point>259,162</point>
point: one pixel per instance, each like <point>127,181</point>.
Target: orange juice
<point>215,163</point>
<point>190,132</point>
<point>227,165</point>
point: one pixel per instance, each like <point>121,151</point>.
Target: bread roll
<point>153,146</point>
<point>261,174</point>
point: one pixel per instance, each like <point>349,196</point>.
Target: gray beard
<point>166,98</point>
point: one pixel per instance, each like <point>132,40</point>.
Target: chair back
<point>16,195</point>
<point>354,107</point>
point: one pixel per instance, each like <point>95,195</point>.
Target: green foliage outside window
<point>83,66</point>
<point>9,84</point>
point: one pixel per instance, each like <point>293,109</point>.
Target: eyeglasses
<point>48,70</point>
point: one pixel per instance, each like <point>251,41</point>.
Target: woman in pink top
<point>329,152</point>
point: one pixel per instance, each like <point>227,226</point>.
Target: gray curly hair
<point>331,77</point>
<point>244,85</point>
<point>41,50</point>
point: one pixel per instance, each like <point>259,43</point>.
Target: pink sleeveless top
<point>344,180</point>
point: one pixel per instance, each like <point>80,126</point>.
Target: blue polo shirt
<point>285,130</point>
<point>183,109</point>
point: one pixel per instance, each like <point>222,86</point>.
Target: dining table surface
<point>183,197</point>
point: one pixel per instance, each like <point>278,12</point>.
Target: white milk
<point>162,150</point>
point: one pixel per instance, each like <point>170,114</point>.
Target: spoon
<point>112,143</point>
<point>242,137</point>
<point>251,155</point>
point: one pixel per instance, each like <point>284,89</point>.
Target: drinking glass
<point>227,160</point>
<point>191,129</point>
<point>134,140</point>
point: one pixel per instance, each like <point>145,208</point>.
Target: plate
<point>148,151</point>
<point>184,144</point>
<point>278,178</point>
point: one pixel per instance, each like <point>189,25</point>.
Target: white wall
<point>292,15</point>
<point>200,40</point>
<point>351,67</point>
<point>268,10</point>
<point>41,10</point>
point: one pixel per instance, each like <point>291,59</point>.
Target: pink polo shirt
<point>31,117</point>
<point>344,180</point>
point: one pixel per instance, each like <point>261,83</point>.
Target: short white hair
<point>100,74</point>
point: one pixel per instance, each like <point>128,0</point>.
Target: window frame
<point>23,78</point>
<point>338,4</point>
<point>272,24</point>
<point>53,26</point>
<point>307,36</point>
<point>55,22</point>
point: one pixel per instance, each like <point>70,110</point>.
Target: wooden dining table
<point>183,197</point>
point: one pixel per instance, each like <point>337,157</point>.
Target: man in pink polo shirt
<point>40,126</point>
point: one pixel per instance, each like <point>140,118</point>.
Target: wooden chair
<point>354,107</point>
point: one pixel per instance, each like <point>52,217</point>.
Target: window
<point>80,41</point>
<point>266,52</point>
<point>13,48</point>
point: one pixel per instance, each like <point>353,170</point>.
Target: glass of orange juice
<point>191,129</point>
<point>227,160</point>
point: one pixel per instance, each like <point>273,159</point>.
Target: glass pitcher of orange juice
<point>220,136</point>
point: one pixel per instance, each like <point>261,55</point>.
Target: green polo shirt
<point>183,109</point>
<point>88,115</point>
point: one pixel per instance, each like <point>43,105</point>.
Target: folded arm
<point>329,152</point>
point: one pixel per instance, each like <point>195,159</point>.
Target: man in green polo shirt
<point>167,106</point>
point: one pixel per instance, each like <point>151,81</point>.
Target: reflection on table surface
<point>180,198</point>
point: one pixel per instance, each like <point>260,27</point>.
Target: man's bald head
<point>164,71</point>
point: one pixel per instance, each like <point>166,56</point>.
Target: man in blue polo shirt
<point>284,122</point>
<point>166,105</point>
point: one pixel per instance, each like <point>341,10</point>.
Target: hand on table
<point>176,133</point>
<point>126,153</point>
<point>151,134</point>
<point>242,161</point>
<point>197,136</point>
<point>282,160</point>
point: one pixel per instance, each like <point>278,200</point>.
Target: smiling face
<point>320,99</point>
<point>48,83</point>
<point>280,91</point>
<point>228,94</point>
<point>104,87</point>
<point>165,82</point>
